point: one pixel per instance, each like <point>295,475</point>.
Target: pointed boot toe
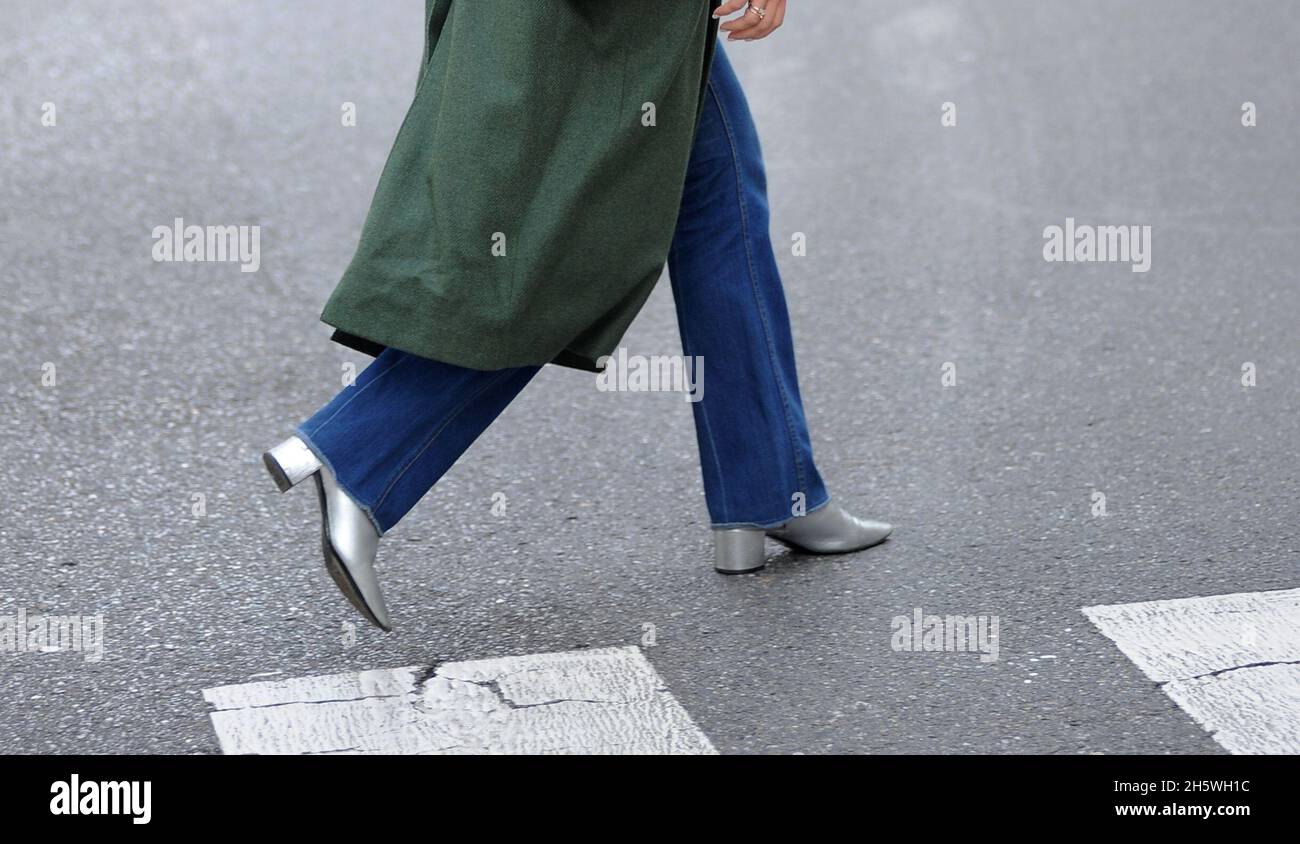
<point>831,530</point>
<point>350,542</point>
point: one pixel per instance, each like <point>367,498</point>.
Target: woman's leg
<point>754,445</point>
<point>389,437</point>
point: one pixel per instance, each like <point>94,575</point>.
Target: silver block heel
<point>738,550</point>
<point>290,463</point>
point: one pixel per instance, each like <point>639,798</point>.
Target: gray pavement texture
<point>924,247</point>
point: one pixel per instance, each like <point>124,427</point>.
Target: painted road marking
<point>1232,662</point>
<point>607,700</point>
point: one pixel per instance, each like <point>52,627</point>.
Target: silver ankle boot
<point>349,540</point>
<point>829,530</point>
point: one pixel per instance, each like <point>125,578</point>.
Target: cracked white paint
<point>607,700</point>
<point>1232,662</point>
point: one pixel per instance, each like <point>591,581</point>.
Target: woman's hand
<point>759,20</point>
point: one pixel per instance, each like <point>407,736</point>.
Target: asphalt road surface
<point>132,488</point>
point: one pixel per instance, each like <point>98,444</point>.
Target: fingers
<point>775,15</point>
<point>728,7</point>
<point>780,14</point>
<point>750,26</point>
<point>748,20</point>
<point>767,25</point>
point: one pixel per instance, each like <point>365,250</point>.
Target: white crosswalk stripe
<point>608,700</point>
<point>1232,662</point>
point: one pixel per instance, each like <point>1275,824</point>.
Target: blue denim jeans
<point>390,436</point>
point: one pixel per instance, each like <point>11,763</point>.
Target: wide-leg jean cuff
<point>768,525</point>
<point>324,458</point>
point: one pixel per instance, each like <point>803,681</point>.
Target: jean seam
<point>762,312</point>
<point>358,392</point>
<point>432,437</point>
<point>687,345</point>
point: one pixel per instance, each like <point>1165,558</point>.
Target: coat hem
<point>568,358</point>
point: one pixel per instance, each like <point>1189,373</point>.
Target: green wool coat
<point>528,203</point>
